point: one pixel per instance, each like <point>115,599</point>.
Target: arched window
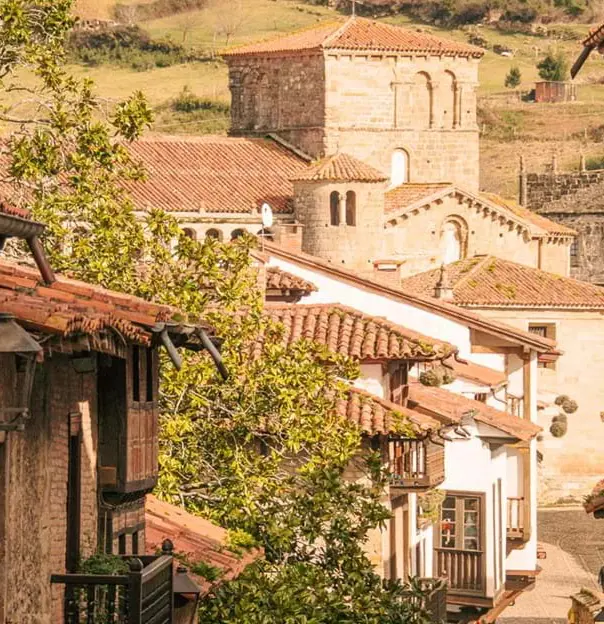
<point>334,208</point>
<point>422,100</point>
<point>453,237</point>
<point>214,233</point>
<point>449,101</point>
<point>399,168</point>
<point>351,208</point>
<point>237,234</point>
<point>190,233</point>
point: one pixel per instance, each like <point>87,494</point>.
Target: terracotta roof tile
<point>13,211</point>
<point>69,308</point>
<point>409,193</point>
<point>349,332</point>
<point>475,372</point>
<point>487,281</point>
<point>340,168</point>
<point>359,34</point>
<point>214,174</point>
<point>595,37</point>
<point>549,226</point>
<point>375,415</point>
<point>438,402</point>
<point>196,539</point>
<point>278,279</point>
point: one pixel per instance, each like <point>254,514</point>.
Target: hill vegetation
<point>190,68</point>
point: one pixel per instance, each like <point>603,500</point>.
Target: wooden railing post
<point>135,591</point>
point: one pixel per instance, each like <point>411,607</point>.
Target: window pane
<point>470,544</point>
<point>471,522</point>
<point>449,502</point>
<point>471,504</point>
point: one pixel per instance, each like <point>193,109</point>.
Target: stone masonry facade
<point>367,105</point>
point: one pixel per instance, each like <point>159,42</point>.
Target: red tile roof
<point>487,281</point>
<point>278,279</point>
<point>375,415</point>
<point>340,168</point>
<point>349,332</point>
<point>423,302</point>
<point>549,226</point>
<point>69,309</point>
<point>595,37</point>
<point>195,539</point>
<point>451,407</point>
<point>14,211</point>
<point>481,374</point>
<point>358,34</point>
<point>407,198</point>
<point>214,174</point>
<point>408,194</point>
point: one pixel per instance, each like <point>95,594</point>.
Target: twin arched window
<point>343,209</point>
<point>214,233</point>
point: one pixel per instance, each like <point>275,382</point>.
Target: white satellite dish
<point>267,216</point>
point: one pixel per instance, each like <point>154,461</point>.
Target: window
<point>461,523</point>
<point>545,330</point>
<point>574,254</point>
<point>215,234</point>
<point>135,543</point>
<point>453,240</point>
<point>190,233</point>
<point>121,544</point>
<point>237,234</point>
<point>351,208</point>
<point>399,168</point>
<point>334,208</point>
<point>481,396</point>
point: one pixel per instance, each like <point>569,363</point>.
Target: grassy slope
<point>510,127</point>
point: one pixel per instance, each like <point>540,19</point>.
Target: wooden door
<point>74,488</point>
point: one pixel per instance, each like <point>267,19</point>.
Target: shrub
<point>437,376</point>
<point>479,41</point>
<point>561,399</point>
<point>595,162</point>
<point>187,102</point>
<point>513,78</point>
<point>553,67</point>
<point>157,9</point>
<point>558,429</point>
<point>570,406</point>
<point>563,418</point>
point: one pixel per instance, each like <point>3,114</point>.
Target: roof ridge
<point>336,33</point>
<point>477,266</point>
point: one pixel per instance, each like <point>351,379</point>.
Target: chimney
<point>442,290</point>
<point>388,271</point>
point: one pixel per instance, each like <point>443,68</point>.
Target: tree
<point>265,454</point>
<point>513,78</point>
<point>554,67</point>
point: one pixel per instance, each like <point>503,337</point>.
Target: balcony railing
<point>143,596</point>
<point>434,600</point>
<point>515,519</point>
<point>463,570</point>
<point>416,463</point>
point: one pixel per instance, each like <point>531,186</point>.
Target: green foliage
<point>104,563</point>
<point>188,102</point>
<point>594,163</point>
<point>513,78</point>
<point>156,9</point>
<point>264,455</point>
<point>558,429</point>
<point>429,506</point>
<point>570,406</point>
<point>437,376</point>
<point>553,67</point>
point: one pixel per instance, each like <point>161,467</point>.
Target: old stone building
<point>575,199</point>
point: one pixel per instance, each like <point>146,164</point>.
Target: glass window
<point>460,523</point>
<point>334,208</point>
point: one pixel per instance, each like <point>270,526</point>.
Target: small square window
<point>544,330</point>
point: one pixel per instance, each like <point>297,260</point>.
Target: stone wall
<point>35,481</point>
<point>352,246</point>
<point>284,94</point>
<point>543,188</point>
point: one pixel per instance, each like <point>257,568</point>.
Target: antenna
<point>267,220</point>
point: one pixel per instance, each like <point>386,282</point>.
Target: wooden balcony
<point>416,464</point>
<point>515,518</point>
<point>463,570</point>
<point>143,596</point>
<point>436,600</point>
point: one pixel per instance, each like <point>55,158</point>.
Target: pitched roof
<point>340,168</point>
<point>349,332</point>
<point>278,279</point>
<point>475,372</point>
<point>214,174</point>
<point>487,281</point>
<point>78,315</point>
<point>195,539</point>
<point>438,402</point>
<point>408,198</point>
<point>375,415</point>
<point>360,34</point>
<point>551,227</point>
<point>442,308</point>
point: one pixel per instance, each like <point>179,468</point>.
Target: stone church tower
<point>400,100</point>
<point>339,201</point>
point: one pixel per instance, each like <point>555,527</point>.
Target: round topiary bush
<point>437,376</point>
<point>561,399</point>
<point>563,418</point>
<point>448,375</point>
<point>570,406</point>
<point>558,429</point>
